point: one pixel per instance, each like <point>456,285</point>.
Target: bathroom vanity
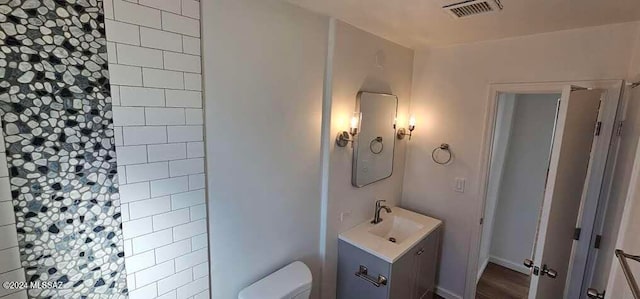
<point>394,259</point>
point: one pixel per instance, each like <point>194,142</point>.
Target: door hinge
<point>596,244</point>
<point>576,233</point>
<point>619,129</point>
<point>481,220</point>
<point>598,128</point>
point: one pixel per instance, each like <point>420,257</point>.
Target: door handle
<point>594,294</point>
<point>549,272</point>
<point>528,263</point>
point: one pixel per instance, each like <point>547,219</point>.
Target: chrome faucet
<point>379,206</point>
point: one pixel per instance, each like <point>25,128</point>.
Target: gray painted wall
<point>263,105</point>
<point>523,181</point>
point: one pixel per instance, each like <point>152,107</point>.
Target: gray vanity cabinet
<point>412,276</point>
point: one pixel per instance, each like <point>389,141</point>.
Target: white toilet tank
<point>290,282</point>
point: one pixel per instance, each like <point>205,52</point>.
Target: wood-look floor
<point>498,282</point>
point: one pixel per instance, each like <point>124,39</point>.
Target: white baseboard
<point>481,270</point>
<point>518,267</point>
<point>446,294</point>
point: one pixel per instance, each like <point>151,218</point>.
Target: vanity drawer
<point>350,286</point>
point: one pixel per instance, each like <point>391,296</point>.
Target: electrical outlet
<point>344,215</point>
<point>459,185</point>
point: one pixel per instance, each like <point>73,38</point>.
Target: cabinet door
<point>403,276</point>
<point>426,263</point>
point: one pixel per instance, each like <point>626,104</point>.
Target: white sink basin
<point>396,229</point>
<point>405,227</point>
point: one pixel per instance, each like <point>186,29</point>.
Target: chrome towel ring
<point>374,142</point>
<point>445,148</point>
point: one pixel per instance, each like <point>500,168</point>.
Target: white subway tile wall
<point>155,65</point>
<point>10,268</point>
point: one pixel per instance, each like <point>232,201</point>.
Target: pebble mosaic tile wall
<point>57,125</point>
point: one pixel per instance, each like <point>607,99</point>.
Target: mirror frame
<point>356,142</point>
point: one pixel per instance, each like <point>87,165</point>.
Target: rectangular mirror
<point>374,145</point>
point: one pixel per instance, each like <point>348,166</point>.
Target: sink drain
<point>392,239</point>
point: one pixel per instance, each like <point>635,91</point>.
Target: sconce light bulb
<point>355,120</point>
<point>412,123</point>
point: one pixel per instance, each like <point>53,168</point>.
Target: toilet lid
<point>284,283</point>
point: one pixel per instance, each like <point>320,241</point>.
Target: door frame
<point>613,89</point>
<point>632,195</point>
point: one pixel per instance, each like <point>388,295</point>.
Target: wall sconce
<point>412,126</point>
<point>345,137</point>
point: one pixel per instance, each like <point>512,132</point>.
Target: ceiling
<point>423,23</point>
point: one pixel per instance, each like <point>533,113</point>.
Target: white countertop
<point>361,237</point>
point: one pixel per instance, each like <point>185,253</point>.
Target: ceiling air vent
<point>472,7</point>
